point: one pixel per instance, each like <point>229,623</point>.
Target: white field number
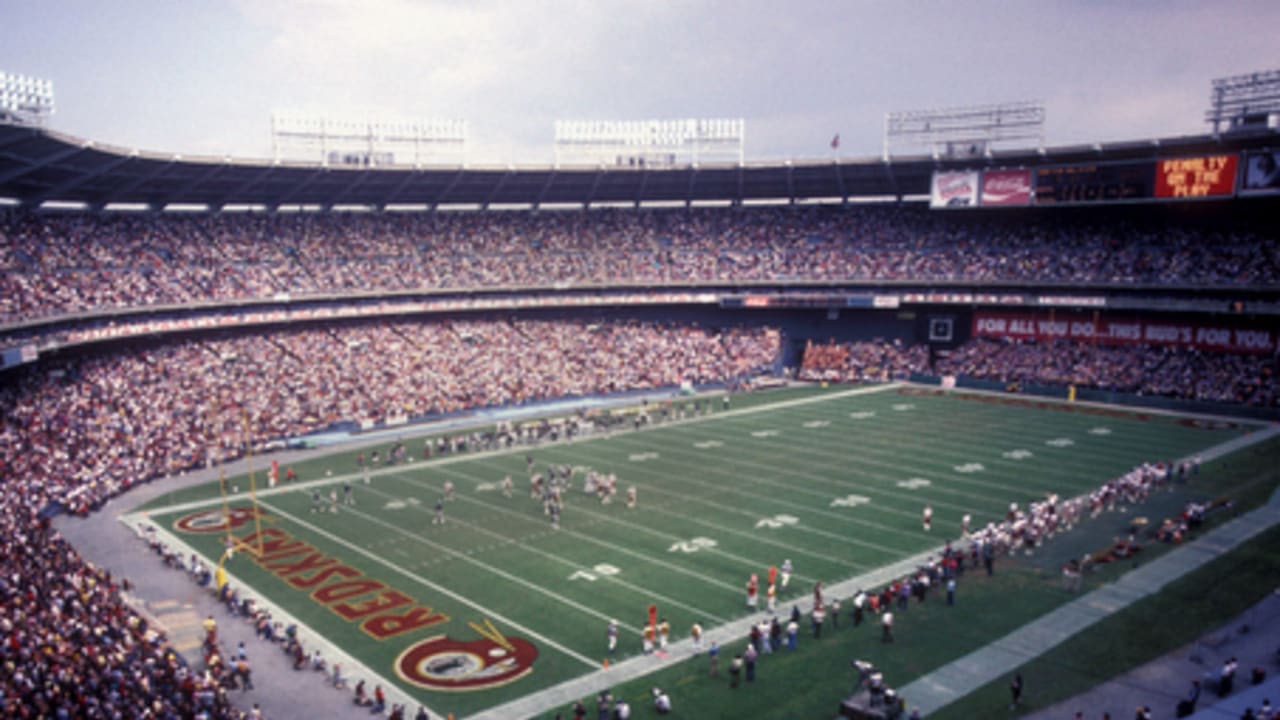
<point>850,501</point>
<point>777,521</point>
<point>601,570</point>
<point>693,545</point>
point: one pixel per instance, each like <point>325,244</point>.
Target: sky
<point>202,77</point>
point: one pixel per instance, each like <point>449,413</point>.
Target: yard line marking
<point>427,583</point>
<point>576,533</point>
<point>826,496</point>
<point>505,541</point>
<point>956,437</point>
<point>516,449</point>
<point>866,459</point>
<point>667,537</point>
<point>541,701</point>
<point>840,461</point>
<point>466,555</point>
<point>775,501</point>
<point>331,651</point>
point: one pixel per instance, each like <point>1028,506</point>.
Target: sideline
<point>638,666</point>
<point>1001,657</point>
<point>353,668</point>
<point>937,689</point>
<point>514,449</point>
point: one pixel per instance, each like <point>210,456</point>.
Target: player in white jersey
<point>786,572</point>
<point>448,490</point>
<point>926,518</point>
<point>631,497</point>
<point>506,486</point>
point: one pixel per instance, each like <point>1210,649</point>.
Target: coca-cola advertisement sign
<point>957,189</point>
<point>1006,187</point>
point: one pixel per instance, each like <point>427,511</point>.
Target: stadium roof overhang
<point>38,166</point>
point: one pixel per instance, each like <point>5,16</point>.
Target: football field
<point>496,603</point>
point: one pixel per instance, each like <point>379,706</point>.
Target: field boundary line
<point>1136,409</point>
<point>665,536</point>
<point>578,533</point>
<point>799,507</point>
<point>526,583</point>
<point>514,449</point>
<point>332,653</point>
<point>566,692</point>
<point>942,686</point>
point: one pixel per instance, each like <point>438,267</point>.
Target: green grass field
<point>833,479</point>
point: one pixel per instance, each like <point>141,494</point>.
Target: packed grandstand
<point>90,419</point>
<point>55,264</point>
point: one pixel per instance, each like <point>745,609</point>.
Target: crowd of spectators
<point>1181,373</point>
<point>52,264</point>
<point>88,429</point>
<point>863,361</point>
<point>93,427</point>
<point>73,647</point>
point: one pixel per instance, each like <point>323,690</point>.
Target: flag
<point>835,142</point>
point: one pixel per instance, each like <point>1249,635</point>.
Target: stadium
<point>677,434</point>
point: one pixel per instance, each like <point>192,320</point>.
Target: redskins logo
<point>213,521</point>
<point>442,663</point>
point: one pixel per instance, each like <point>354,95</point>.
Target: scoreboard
<point>1111,182</point>
<point>1207,176</point>
<point>1172,178</point>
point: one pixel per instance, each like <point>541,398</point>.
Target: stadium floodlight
<point>958,133</point>
<point>650,143</point>
<point>368,143</point>
<point>1245,102</point>
<point>25,100</point>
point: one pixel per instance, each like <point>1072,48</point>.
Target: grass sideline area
<point>1022,589</point>
<point>1130,638</point>
<point>830,478</point>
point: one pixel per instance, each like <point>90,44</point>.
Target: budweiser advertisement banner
<point>954,189</point>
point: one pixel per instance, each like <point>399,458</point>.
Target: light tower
<point>368,143</point>
<point>25,100</point>
<point>964,132</point>
<point>643,144</point>
<point>1245,102</point>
